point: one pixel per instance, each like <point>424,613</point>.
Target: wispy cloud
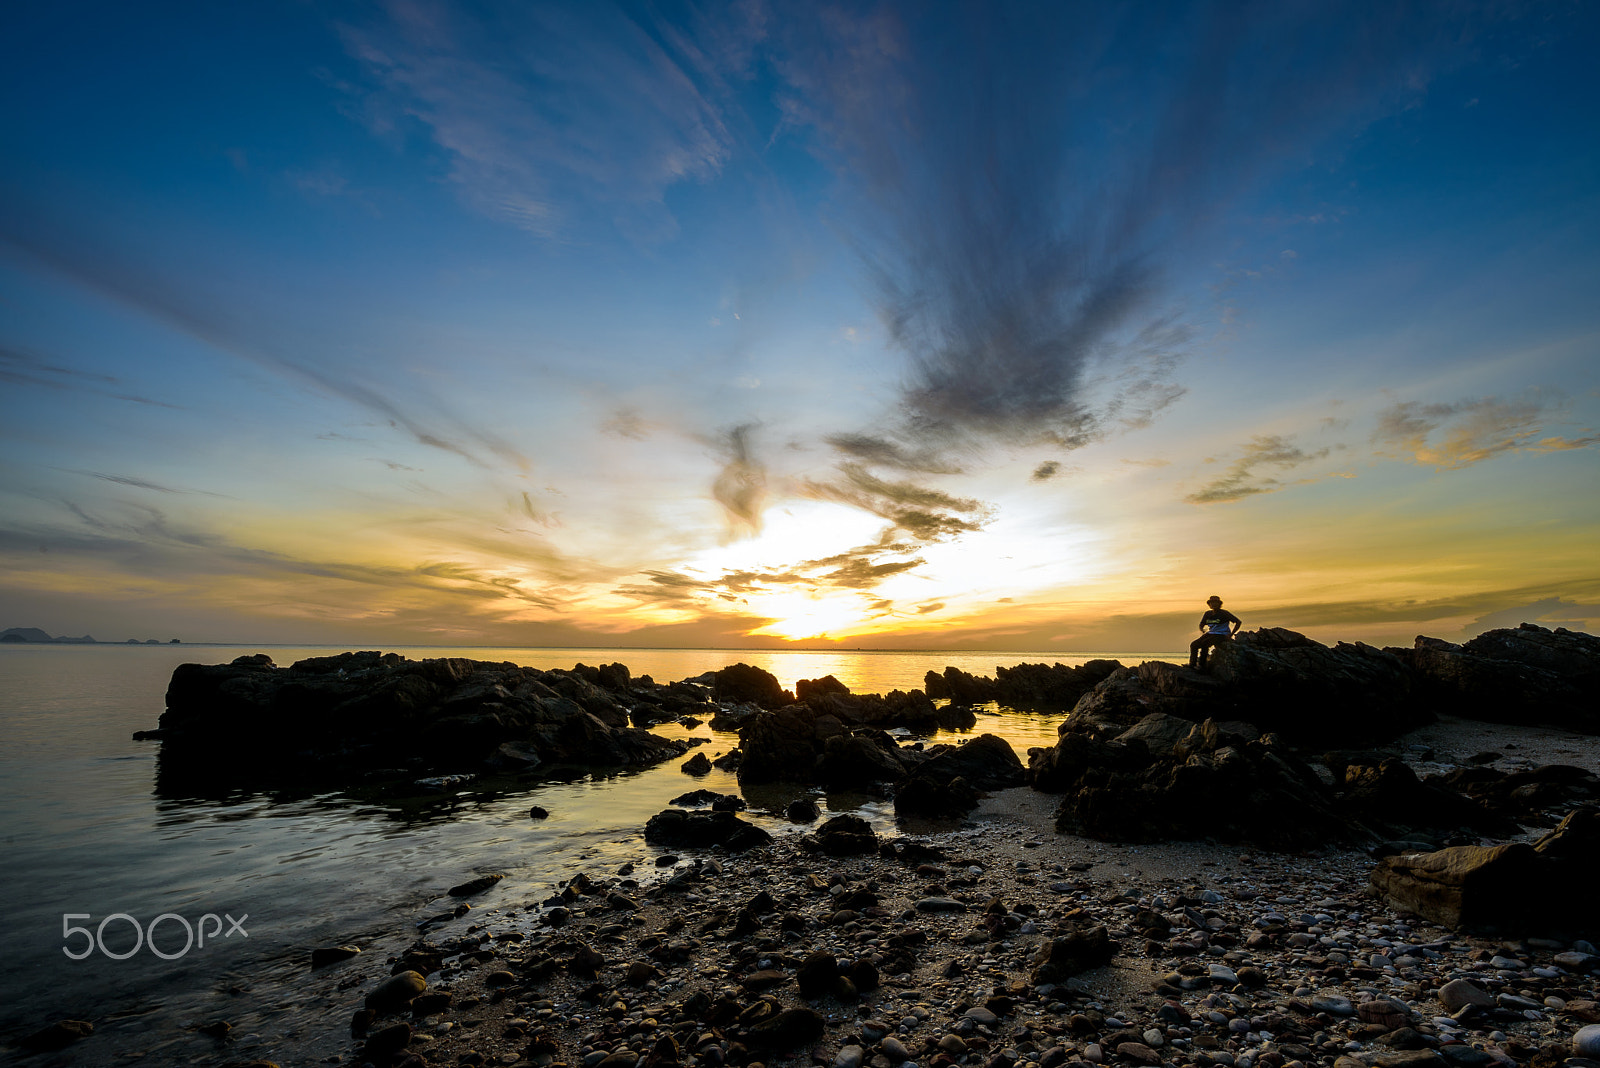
<point>1247,476</point>
<point>21,369</point>
<point>185,307</point>
<point>741,484</point>
<point>547,109</point>
<point>1462,433</point>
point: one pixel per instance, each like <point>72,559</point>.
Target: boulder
<point>678,829</point>
<point>1076,949</point>
<point>752,685</point>
<point>950,782</point>
<point>862,756</point>
<point>1542,887</point>
<point>1462,886</point>
<point>847,835</point>
<point>806,688</point>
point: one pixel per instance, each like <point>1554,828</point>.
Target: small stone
<point>1459,993</point>
<point>1333,1005</point>
<point>396,992</point>
<point>1139,1053</point>
<point>895,1050</point>
<point>850,1057</point>
<point>323,956</point>
<point>940,904</point>
<point>953,1044</point>
<point>475,886</point>
<point>389,1041</point>
<point>538,813</point>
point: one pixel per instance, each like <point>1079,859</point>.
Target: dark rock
<point>806,688</point>
<point>388,1042</point>
<point>1158,732</point>
<point>475,886</point>
<point>327,715</point>
<point>1076,950</point>
<point>699,764</point>
<point>431,1003</point>
<point>864,755</point>
<point>1540,887</point>
<point>1259,793</point>
<point>322,956</point>
<point>1276,679</point>
<point>950,782</point>
<point>817,974</point>
<point>396,992</point>
<point>746,684</point>
<point>688,830</point>
<point>803,810</point>
<point>788,1029</point>
<point>1525,675</point>
<point>847,835</point>
<point>58,1035</point>
<point>538,813</point>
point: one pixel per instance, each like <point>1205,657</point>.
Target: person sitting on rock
<point>1213,631</point>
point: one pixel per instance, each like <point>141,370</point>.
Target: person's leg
<point>1197,652</point>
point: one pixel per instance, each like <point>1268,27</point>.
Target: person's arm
<point>1237,623</point>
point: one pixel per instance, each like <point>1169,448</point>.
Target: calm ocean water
<point>86,837</point>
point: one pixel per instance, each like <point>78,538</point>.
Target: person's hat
<point>1213,599</point>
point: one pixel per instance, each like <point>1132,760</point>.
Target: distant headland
<point>33,635</point>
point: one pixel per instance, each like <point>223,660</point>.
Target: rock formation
<point>371,709</point>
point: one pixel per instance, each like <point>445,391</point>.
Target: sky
<point>879,325</point>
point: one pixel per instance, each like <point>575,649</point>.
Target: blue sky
<point>950,325</point>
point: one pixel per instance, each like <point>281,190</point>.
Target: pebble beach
<point>939,951</point>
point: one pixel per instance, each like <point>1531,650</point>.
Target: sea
<point>152,915</point>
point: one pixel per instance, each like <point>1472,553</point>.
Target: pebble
<point>1586,1043</point>
<point>1457,994</point>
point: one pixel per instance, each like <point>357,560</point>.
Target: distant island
<point>33,635</point>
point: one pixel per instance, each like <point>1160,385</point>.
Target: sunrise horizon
<point>757,327</point>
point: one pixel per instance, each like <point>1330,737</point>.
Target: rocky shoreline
<point>1014,937</point>
<point>999,945</point>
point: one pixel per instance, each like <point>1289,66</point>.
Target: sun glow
<point>796,614</point>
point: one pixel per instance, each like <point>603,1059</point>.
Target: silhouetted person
<point>1214,630</point>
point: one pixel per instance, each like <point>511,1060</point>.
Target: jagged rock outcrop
<point>368,709</point>
<point>1223,781</point>
<point>1276,679</point>
<point>837,737</point>
<point>749,685</point>
<point>1525,675</point>
<point>805,688</point>
<point>1258,792</point>
<point>1023,686</point>
<point>950,782</point>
